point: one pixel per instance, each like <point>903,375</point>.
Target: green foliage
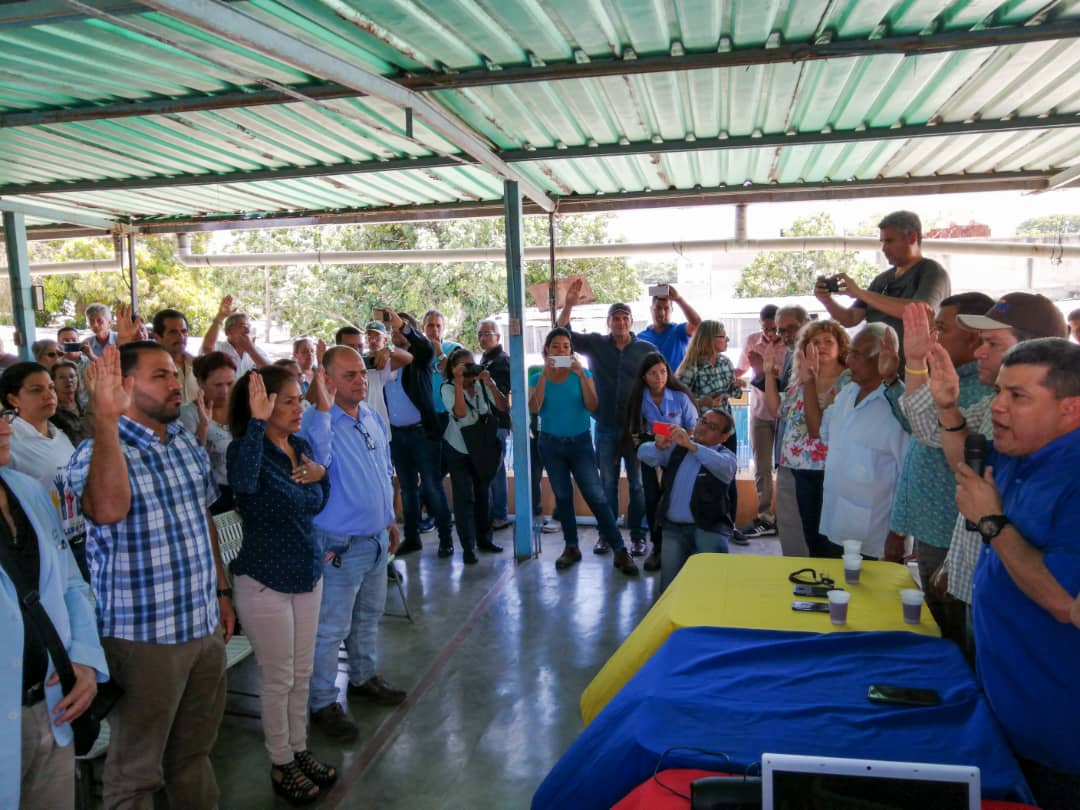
<point>784,273</point>
<point>1053,225</point>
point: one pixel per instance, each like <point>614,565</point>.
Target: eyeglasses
<point>770,330</point>
<point>363,432</point>
<point>50,354</point>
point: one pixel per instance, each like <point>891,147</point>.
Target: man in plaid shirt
<point>164,608</point>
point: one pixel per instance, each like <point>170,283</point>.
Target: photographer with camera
<point>912,277</point>
<point>471,398</point>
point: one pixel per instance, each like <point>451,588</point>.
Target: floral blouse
<point>798,451</point>
<point>709,380</point>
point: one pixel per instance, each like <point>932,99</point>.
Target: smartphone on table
<point>810,607</point>
<point>903,695</point>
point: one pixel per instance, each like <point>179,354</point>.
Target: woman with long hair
<point>712,380</point>
<point>563,394</point>
<point>818,373</point>
<point>278,572</point>
<point>207,416</point>
<point>468,394</point>
<point>657,397</point>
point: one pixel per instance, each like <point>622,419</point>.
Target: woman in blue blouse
<point>657,396</point>
<point>564,394</point>
<point>278,490</point>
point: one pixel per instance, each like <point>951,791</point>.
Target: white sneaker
<point>501,523</point>
<point>550,526</point>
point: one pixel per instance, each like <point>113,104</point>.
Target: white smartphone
<point>659,291</point>
<point>562,361</point>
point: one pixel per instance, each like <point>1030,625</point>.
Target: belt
<point>413,426</point>
<point>33,694</point>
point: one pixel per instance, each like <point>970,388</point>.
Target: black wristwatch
<point>990,526</point>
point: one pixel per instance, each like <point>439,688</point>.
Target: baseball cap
<point>619,308</point>
<point>376,326</point>
<point>1030,312</point>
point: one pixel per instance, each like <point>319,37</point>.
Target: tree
<point>783,273</point>
<point>1053,225</point>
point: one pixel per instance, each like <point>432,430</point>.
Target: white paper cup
<point>853,547</point>
<point>838,606</point>
<point>912,600</point>
<point>852,568</point>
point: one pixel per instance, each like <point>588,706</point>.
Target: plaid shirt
<point>153,573</point>
<point>710,380</point>
<point>965,546</point>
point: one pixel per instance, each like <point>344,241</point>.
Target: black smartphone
<point>811,607</point>
<point>903,695</point>
<point>71,347</point>
<point>813,590</point>
<point>369,361</point>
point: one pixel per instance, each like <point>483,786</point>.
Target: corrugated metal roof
<point>97,117</point>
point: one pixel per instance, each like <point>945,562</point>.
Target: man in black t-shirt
<point>912,277</point>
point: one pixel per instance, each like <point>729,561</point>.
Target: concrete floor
<point>495,665</point>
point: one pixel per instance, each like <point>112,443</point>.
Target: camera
<point>832,284</point>
<point>473,369</point>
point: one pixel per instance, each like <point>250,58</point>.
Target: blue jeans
<point>353,600</point>
<point>610,452</point>
<point>414,458</point>
<point>497,493</point>
<point>566,456</point>
<point>682,540</point>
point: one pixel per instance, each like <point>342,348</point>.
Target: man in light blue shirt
<point>694,507</point>
<point>671,339</point>
<point>356,532</point>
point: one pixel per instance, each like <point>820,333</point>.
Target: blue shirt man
<point>357,533</point>
<point>1028,573</point>
<point>670,339</point>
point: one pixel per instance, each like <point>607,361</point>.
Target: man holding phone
<point>670,339</point>
<point>381,359</point>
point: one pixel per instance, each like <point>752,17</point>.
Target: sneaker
<point>551,526</point>
<point>759,529</point>
<point>601,547</point>
<point>738,538</point>
<point>426,525</point>
<point>469,557</point>
<point>652,562</point>
<point>625,563</point>
<point>638,547</point>
<point>376,690</point>
<point>334,723</point>
<point>570,555</point>
<point>501,523</point>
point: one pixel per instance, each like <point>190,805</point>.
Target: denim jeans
<point>497,490</point>
<point>414,459</point>
<point>610,452</point>
<point>570,460</point>
<point>353,600</point>
<point>682,540</point>
<point>471,508</point>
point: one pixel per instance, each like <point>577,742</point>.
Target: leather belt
<point>33,694</point>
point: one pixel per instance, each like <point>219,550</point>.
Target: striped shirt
<point>153,573</point>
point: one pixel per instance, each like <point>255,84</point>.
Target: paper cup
<point>853,547</point>
<point>838,606</point>
<point>912,600</point>
<point>852,568</point>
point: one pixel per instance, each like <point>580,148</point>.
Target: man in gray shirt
<point>912,277</point>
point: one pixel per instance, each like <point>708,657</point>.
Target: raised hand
<point>944,381</point>
<point>203,408</point>
<point>324,390</point>
<point>111,392</point>
<point>261,405</point>
<point>673,294</point>
<point>888,359</point>
<point>320,350</point>
<point>573,292</point>
<point>225,308</point>
<point>810,364</point>
<point>917,335</point>
<point>127,330</point>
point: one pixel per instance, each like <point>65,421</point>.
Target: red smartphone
<point>662,429</point>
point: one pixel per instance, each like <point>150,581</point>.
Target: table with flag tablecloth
<point>752,591</point>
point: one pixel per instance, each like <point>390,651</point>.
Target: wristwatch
<point>990,526</point>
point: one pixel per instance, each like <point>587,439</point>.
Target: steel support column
<point>519,384</point>
<point>18,262</point>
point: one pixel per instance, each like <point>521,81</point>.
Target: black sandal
<point>320,773</point>
<point>293,785</point>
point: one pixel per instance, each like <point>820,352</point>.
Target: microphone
<point>975,457</point>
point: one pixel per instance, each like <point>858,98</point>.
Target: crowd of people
<point>123,447</point>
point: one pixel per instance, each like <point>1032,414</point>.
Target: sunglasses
<point>363,432</point>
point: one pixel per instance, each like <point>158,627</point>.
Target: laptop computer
<point>791,782</point>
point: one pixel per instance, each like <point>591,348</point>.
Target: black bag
<point>86,726</point>
<point>482,441</point>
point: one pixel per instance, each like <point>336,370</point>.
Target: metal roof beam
<point>579,204</point>
<point>1065,178</point>
<point>592,67</point>
<point>56,215</point>
<point>533,155</point>
<point>219,19</point>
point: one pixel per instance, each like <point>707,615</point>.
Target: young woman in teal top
<point>564,396</point>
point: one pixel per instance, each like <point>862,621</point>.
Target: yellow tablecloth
<point>745,590</point>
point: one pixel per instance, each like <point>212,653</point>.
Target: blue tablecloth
<point>748,692</point>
